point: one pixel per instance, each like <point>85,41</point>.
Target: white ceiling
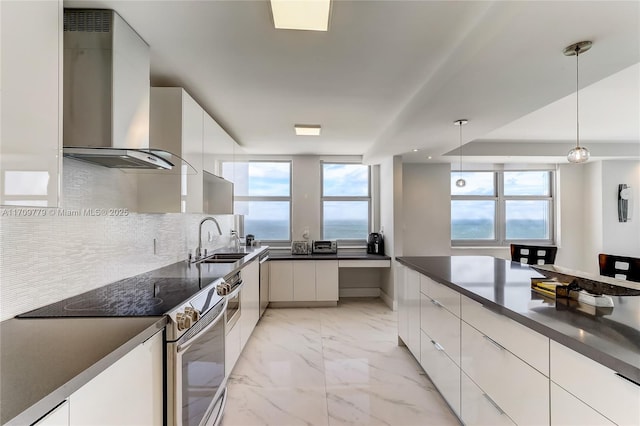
<point>390,76</point>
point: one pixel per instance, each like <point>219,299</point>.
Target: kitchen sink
<point>223,258</point>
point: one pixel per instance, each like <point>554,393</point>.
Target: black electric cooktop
<point>151,294</point>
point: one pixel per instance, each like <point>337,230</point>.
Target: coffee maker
<point>375,244</point>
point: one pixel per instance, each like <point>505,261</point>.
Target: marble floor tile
<point>404,405</point>
<point>253,406</point>
<point>331,366</point>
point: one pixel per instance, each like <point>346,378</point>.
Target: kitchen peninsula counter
<point>503,286</point>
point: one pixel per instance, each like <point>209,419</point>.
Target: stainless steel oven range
<point>196,382</point>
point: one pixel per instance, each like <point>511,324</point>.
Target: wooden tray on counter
<point>594,284</point>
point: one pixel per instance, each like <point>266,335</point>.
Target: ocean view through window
<point>346,201</point>
<point>262,193</point>
<point>498,208</point>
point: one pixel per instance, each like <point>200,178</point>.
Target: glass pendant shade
<point>579,154</point>
<point>460,183</point>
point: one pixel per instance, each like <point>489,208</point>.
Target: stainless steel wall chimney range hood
<point>106,92</point>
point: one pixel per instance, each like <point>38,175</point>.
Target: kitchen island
<point>572,355</point>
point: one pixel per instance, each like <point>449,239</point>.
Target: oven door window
<point>202,374</point>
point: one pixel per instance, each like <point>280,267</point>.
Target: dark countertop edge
<point>51,401</point>
<point>609,361</point>
<point>274,255</point>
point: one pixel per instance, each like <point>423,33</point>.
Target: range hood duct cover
<point>106,92</point>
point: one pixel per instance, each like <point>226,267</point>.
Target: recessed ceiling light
<point>310,15</point>
<point>307,129</point>
<point>429,158</point>
<point>415,150</point>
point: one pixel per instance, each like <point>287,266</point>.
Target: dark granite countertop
<point>610,338</point>
<point>44,360</point>
<point>275,254</point>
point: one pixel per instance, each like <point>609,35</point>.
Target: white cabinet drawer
<point>596,385</point>
<point>567,410</point>
<point>444,373</point>
<point>478,409</point>
<point>441,325</point>
<point>520,390</point>
<point>525,343</point>
<point>442,294</point>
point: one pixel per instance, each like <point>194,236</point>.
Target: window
<point>262,192</point>
<point>346,201</point>
<point>498,208</point>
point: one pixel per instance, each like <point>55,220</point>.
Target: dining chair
<point>533,255</point>
<point>623,267</point>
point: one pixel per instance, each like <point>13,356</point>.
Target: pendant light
<point>460,182</point>
<point>578,154</point>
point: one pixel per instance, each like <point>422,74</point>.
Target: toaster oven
<point>324,247</point>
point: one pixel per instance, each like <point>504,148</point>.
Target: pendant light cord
<point>460,125</point>
<point>577,96</point>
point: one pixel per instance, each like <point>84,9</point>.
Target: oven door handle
<point>185,345</point>
<point>235,292</point>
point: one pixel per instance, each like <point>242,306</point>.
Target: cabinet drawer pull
<point>437,345</point>
<point>492,402</point>
<point>498,345</point>
<point>627,379</point>
<point>438,304</point>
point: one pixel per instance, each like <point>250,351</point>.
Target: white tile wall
<point>47,258</point>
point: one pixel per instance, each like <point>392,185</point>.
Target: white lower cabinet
<point>57,417</point>
<point>327,280</point>
<point>129,392</point>
<point>303,281</point>
<point>413,309</point>
<point>441,325</point>
<point>280,281</point>
<point>444,373</point>
<point>478,409</point>
<point>232,348</point>
<point>599,387</point>
<point>403,308</point>
<point>519,389</point>
<point>567,410</point>
<point>249,301</point>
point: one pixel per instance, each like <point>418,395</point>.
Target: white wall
<point>571,216</point>
<point>620,238</point>
<point>391,220</point>
<point>48,258</point>
<point>426,207</point>
<point>305,196</point>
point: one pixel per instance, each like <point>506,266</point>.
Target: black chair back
<point>623,267</point>
<point>533,255</point>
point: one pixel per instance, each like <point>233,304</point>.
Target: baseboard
<point>310,304</point>
<point>388,301</point>
<point>360,292</point>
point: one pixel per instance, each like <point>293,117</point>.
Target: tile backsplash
<point>70,250</point>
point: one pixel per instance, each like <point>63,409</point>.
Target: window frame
<point>500,199</point>
<point>367,198</point>
<point>249,198</point>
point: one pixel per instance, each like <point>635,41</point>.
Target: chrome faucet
<point>199,249</point>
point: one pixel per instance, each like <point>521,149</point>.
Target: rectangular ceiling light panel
<point>307,130</point>
<point>310,15</point>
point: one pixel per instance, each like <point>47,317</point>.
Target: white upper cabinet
<point>175,125</point>
<point>31,102</point>
<point>178,124</point>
